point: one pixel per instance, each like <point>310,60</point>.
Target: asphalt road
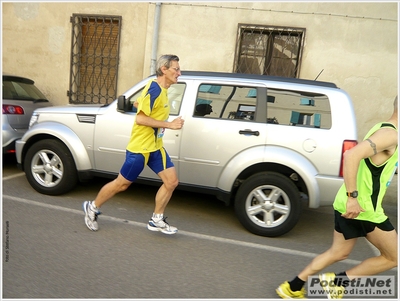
<point>49,253</point>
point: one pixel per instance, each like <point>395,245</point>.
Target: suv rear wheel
<point>268,204</point>
<point>50,168</point>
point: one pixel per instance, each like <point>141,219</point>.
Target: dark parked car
<point>20,98</point>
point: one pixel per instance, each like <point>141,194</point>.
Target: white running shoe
<point>90,216</point>
<point>161,226</point>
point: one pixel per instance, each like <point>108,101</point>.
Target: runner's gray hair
<point>165,61</point>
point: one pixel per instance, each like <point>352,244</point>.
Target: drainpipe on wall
<point>155,38</point>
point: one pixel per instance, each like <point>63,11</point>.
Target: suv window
<point>226,102</point>
<point>298,109</point>
<point>175,95</point>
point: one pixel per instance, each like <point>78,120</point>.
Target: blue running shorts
<point>135,162</point>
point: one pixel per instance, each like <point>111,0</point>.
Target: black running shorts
<point>352,228</point>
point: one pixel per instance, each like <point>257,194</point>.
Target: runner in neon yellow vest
<point>367,172</point>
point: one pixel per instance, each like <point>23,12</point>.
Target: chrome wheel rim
<point>267,206</point>
<point>47,168</point>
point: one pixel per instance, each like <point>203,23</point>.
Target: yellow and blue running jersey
<point>154,103</point>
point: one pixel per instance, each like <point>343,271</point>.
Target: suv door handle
<point>249,132</point>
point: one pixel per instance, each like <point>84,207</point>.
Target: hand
<point>177,123</point>
<point>353,208</point>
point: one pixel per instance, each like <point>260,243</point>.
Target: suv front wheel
<point>268,204</point>
<point>50,168</point>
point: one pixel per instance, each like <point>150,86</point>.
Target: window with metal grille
<point>94,58</point>
<point>269,50</point>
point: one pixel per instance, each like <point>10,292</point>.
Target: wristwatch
<point>353,194</point>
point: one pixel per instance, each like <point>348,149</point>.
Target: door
<point>226,121</point>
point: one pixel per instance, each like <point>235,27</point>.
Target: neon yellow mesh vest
<point>372,183</point>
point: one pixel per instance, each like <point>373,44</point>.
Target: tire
<point>50,167</point>
<point>268,204</point>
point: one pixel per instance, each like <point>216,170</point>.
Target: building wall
<point>354,43</point>
<point>37,42</point>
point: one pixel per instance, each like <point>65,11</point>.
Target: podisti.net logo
<point>372,286</point>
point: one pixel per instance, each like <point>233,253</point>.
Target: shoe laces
<point>162,222</point>
<point>93,214</point>
<point>96,214</point>
<point>165,222</point>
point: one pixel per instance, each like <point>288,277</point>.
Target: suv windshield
<point>18,88</point>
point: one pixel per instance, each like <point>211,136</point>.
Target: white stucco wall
<point>354,43</point>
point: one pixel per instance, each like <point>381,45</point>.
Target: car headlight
<point>34,119</point>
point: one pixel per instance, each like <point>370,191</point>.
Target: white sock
<point>157,217</point>
<point>93,205</point>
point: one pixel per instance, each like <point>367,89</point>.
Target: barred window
<point>269,50</point>
<point>94,58</point>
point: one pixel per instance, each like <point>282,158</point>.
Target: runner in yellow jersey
<point>153,103</point>
<point>368,170</point>
<point>146,148</point>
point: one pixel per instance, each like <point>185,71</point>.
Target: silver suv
<point>263,143</point>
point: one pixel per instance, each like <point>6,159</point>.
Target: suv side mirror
<point>124,105</point>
